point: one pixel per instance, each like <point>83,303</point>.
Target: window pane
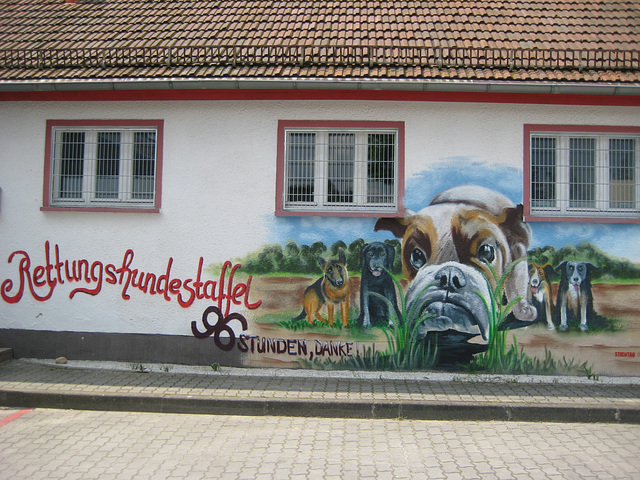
<point>381,168</point>
<point>301,153</point>
<point>144,165</point>
<point>107,165</point>
<point>622,165</point>
<point>71,165</point>
<point>333,169</point>
<point>582,172</point>
<point>341,159</point>
<point>543,172</point>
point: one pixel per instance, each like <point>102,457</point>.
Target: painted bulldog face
<point>449,250</point>
<point>449,294</point>
<point>443,233</point>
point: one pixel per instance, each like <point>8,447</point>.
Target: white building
<point>146,145</point>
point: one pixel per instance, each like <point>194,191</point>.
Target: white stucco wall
<point>218,190</point>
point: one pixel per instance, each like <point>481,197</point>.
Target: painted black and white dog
<point>575,299</point>
<point>377,261</point>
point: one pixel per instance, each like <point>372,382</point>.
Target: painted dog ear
<point>591,267</point>
<point>322,262</point>
<point>560,268</point>
<point>549,270</point>
<point>363,254</point>
<point>342,257</point>
<point>391,255</point>
<point>513,223</point>
<point>397,226</point>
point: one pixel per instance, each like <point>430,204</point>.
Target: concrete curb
<point>325,409</point>
<point>341,374</point>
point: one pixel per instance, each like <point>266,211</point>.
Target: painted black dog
<point>377,262</point>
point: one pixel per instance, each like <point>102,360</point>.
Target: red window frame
<point>283,125</point>
<point>46,194</point>
<point>584,130</point>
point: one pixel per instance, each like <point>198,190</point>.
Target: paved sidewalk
<point>46,444</point>
<point>304,393</point>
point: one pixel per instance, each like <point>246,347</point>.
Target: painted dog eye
<point>417,258</point>
<point>486,253</point>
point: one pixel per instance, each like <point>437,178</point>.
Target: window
<point>340,168</point>
<point>103,165</point>
<point>582,173</point>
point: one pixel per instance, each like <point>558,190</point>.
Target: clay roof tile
<point>119,25</point>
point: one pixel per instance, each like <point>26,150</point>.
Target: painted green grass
<point>404,350</point>
<point>509,359</point>
<point>371,359</point>
<point>601,324</point>
<point>285,320</point>
<point>302,324</point>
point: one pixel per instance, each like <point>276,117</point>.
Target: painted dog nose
<point>451,278</point>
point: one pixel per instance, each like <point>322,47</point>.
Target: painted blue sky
<point>620,240</point>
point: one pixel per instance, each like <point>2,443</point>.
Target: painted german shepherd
<point>332,288</point>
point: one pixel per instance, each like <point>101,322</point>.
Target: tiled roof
<point>543,40</point>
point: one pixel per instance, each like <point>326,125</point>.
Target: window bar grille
<point>144,165</point>
<point>341,163</point>
<point>340,170</point>
<point>381,168</point>
<point>584,175</point>
<point>543,172</point>
<point>99,167</point>
<point>622,169</point>
<point>301,149</point>
<point>107,165</point>
<point>71,165</point>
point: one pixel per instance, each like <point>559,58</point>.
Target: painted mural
<point>460,283</point>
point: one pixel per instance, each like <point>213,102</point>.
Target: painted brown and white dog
<point>447,249</point>
<point>575,299</point>
<point>540,294</point>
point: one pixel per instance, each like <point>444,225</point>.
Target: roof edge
<point>243,83</point>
